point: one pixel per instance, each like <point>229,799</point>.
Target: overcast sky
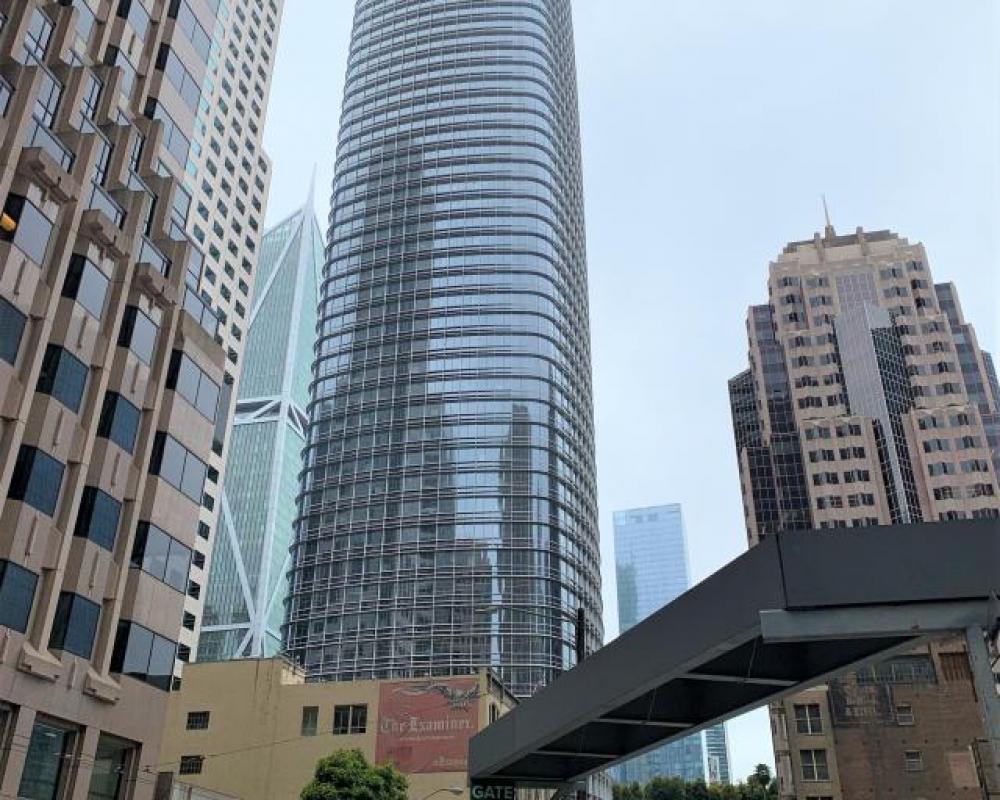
<point>710,129</point>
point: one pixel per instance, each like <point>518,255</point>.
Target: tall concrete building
<point>247,583</point>
<point>229,175</point>
<point>652,568</point>
<point>449,513</point>
<point>110,378</point>
<point>868,402</point>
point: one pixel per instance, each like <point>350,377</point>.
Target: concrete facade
<point>868,402</point>
<point>253,728</point>
<point>112,370</point>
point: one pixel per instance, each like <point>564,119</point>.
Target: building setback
<point>651,563</point>
<point>247,587</point>
<point>868,402</point>
<point>110,382</point>
<point>449,516</point>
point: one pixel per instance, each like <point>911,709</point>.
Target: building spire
<point>310,198</point>
<point>830,232</point>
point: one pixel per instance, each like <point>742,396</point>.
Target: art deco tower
<point>868,401</point>
<point>448,514</point>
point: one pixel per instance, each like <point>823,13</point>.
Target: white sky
<point>710,129</point>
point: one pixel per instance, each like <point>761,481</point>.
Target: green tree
<point>661,788</point>
<point>347,775</point>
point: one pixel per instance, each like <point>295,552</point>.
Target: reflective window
<point>98,518</point>
<point>183,81</point>
<point>161,556</point>
<point>138,333</point>
<point>48,763</point>
<point>38,34</point>
<point>143,655</point>
<point>112,767</point>
<point>11,330</point>
<point>17,593</point>
<point>119,421</point>
<point>188,23</point>
<point>37,479</point>
<point>75,625</point>
<point>136,14</point>
<point>188,380</point>
<point>23,224</point>
<point>86,284</point>
<point>173,137</point>
<point>63,376</point>
<point>177,466</point>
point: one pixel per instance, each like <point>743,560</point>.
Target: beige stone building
<point>254,729</point>
<point>111,383</point>
<point>869,402</point>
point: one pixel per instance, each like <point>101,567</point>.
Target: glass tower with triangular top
<point>248,575</point>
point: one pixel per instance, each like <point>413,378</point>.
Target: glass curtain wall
<point>448,515</point>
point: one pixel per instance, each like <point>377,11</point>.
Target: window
<point>350,719</point>
<point>63,376</point>
<point>181,469</point>
<point>48,762</point>
<point>17,594</point>
<point>86,284</point>
<point>191,383</point>
<point>26,227</point>
<point>119,421</point>
<point>904,714</point>
<point>161,556</point>
<point>183,81</point>
<point>112,767</point>
<point>191,765</point>
<point>808,719</point>
<point>138,334</point>
<point>98,517</point>
<point>36,480</point>
<point>143,655</point>
<point>75,625</point>
<point>173,137</point>
<point>198,720</point>
<point>902,669</point>
<point>310,720</point>
<point>137,16</point>
<point>814,765</point>
<point>11,330</point>
<point>913,761</point>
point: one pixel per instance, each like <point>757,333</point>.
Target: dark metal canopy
<point>790,613</point>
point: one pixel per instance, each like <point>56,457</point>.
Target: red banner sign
<point>426,726</point>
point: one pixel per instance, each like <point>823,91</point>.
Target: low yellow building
<point>254,729</point>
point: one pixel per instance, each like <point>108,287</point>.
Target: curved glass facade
<point>448,515</point>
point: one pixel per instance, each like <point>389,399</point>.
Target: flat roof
<point>790,613</point>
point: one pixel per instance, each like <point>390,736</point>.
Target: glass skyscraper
<point>247,582</point>
<point>448,514</point>
<point>652,568</point>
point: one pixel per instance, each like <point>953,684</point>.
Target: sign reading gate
<point>493,790</point>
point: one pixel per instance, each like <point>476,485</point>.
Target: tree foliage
<point>759,786</point>
<point>347,775</point>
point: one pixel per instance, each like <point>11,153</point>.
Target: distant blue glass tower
<point>652,567</point>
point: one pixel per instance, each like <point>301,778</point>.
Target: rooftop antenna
<point>830,232</point>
